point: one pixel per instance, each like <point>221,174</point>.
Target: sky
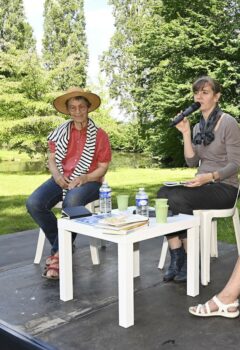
<point>99,28</point>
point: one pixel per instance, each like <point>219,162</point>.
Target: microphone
<point>185,113</point>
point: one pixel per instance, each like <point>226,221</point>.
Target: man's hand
<point>199,180</point>
<point>78,181</point>
<point>62,181</point>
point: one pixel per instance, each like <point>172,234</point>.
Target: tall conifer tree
<point>64,42</point>
<point>14,29</point>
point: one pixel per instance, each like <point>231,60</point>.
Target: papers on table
<point>116,223</point>
<point>174,183</point>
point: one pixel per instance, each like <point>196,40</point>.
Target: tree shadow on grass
<point>14,216</point>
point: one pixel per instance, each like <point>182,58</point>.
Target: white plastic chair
<point>208,237</point>
<point>93,206</point>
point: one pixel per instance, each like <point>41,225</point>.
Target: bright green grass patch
<point>15,188</point>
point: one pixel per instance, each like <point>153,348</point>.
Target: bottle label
<point>106,194</point>
<point>141,202</point>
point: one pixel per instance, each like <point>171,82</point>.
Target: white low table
<point>128,257</point>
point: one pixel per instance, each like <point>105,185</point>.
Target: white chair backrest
<point>237,196</point>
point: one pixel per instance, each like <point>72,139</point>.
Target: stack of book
<point>119,224</point>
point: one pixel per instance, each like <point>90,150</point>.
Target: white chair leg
<point>236,225</point>
<point>93,245</point>
<point>205,241</point>
<point>94,251</point>
<point>163,253</point>
<point>214,247</point>
<point>41,240</point>
<point>40,245</point>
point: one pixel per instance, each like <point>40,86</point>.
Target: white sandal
<point>204,310</point>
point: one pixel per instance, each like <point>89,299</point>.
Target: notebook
<point>75,212</point>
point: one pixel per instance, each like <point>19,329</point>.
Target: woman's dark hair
<point>202,81</point>
<point>79,98</point>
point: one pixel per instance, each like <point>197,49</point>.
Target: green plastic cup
<point>161,202</point>
<point>122,202</point>
<point>161,213</point>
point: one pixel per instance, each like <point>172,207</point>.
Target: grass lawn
<point>13,155</point>
<point>15,188</point>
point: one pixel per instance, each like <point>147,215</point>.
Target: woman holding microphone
<point>214,148</point>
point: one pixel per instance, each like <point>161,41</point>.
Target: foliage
<point>64,42</point>
<point>18,106</point>
<point>29,135</point>
<point>23,85</point>
<point>123,136</point>
<point>159,49</point>
<point>28,87</point>
<point>34,82</point>
<point>14,29</point>
<point>119,62</point>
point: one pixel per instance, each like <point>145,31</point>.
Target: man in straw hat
<point>79,157</point>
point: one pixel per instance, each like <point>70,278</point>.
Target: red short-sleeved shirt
<point>76,144</point>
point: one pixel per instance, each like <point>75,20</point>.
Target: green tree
<point>120,62</point>
<point>64,43</point>
<point>35,80</point>
<point>14,29</point>
<point>176,43</point>
<point>23,85</point>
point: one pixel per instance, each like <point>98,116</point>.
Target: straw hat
<point>60,102</point>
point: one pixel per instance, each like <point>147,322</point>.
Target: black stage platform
<point>31,304</point>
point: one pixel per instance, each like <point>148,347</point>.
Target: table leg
<point>125,284</point>
<point>193,261</point>
<point>65,264</point>
<point>136,260</point>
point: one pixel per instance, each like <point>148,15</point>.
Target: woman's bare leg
<point>230,293</point>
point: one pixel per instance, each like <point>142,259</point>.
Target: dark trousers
<point>45,197</point>
<point>210,196</point>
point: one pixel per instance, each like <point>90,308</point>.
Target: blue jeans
<point>45,197</point>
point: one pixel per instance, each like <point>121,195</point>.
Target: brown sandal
<point>52,267</point>
<point>52,259</point>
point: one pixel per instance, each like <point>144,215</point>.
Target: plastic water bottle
<point>142,202</point>
<point>105,198</point>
